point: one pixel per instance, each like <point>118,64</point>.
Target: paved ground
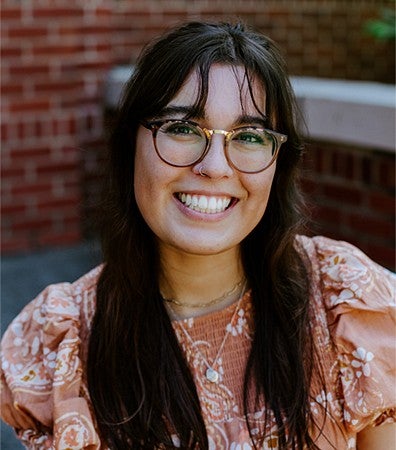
<point>24,276</point>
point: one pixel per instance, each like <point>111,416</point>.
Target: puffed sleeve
<point>41,374</point>
<point>359,297</point>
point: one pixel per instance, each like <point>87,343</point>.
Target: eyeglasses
<point>182,143</point>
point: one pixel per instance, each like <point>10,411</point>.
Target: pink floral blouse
<point>44,392</point>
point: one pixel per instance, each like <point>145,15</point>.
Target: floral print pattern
<point>45,398</point>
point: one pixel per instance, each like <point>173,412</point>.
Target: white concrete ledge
<point>114,84</point>
<point>352,112</point>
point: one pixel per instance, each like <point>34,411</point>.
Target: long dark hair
<point>140,386</point>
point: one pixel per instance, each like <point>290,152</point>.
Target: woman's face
<point>159,186</point>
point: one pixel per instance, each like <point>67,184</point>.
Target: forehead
<point>228,88</point>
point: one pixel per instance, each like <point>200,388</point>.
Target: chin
<point>204,249</point>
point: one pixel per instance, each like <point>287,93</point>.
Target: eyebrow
<point>191,112</point>
<point>175,110</point>
<point>247,119</point>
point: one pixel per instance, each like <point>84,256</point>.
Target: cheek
<point>259,185</point>
<point>258,188</point>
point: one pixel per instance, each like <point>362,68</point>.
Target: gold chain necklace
<point>211,373</point>
<point>215,301</point>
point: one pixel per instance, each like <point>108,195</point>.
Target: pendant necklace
<point>211,373</point>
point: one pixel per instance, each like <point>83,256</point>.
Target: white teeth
<point>204,204</point>
<point>212,203</point>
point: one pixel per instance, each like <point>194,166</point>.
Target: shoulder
<point>356,294</point>
<point>57,309</point>
<point>355,298</point>
<point>345,273</point>
<point>42,357</point>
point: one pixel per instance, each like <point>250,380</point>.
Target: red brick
<point>30,105</point>
<point>343,165</point>
<point>102,47</point>
<point>11,88</point>
<point>310,186</point>
<point>9,52</point>
<point>10,13</point>
<point>31,69</point>
<point>15,244</point>
<point>14,208</point>
<point>27,32</point>
<point>66,126</point>
<point>343,194</point>
<point>70,153</point>
<point>58,87</point>
<point>386,173</point>
<point>57,13</point>
<point>96,30</point>
<point>57,50</point>
<point>50,203</point>
<point>60,238</point>
<point>319,160</point>
<point>98,65</point>
<point>382,202</point>
<point>58,167</point>
<point>35,223</point>
<point>10,172</point>
<point>23,153</point>
<point>371,226</point>
<point>382,254</point>
<point>327,214</point>
<point>29,188</point>
<point>102,12</point>
<point>4,131</point>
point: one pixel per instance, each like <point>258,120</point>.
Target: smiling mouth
<point>203,203</point>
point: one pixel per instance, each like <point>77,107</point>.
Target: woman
<point>211,323</point>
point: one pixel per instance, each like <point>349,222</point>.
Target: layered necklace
<point>215,301</point>
<point>212,372</point>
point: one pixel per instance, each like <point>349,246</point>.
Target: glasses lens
<point>251,149</point>
<point>180,143</point>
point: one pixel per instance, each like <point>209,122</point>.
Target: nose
<point>215,164</point>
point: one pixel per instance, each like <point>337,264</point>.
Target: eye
<point>179,129</point>
<point>249,137</point>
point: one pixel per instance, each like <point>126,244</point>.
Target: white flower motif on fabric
<point>324,398</point>
<point>189,322</point>
<point>237,328</point>
<point>361,361</point>
<point>41,441</point>
<point>326,402</point>
<point>348,418</point>
<point>244,446</point>
<point>346,296</point>
<point>352,443</point>
<point>346,268</point>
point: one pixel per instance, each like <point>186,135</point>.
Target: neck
<point>197,279</point>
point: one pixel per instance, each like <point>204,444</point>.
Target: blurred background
<point>63,62</point>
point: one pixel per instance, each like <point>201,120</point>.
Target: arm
<point>382,437</point>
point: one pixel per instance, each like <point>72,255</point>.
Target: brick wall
<point>352,192</point>
<point>55,56</point>
<point>324,38</point>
